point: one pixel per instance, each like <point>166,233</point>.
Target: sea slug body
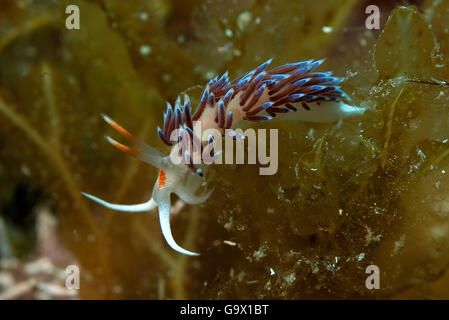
<point>291,91</point>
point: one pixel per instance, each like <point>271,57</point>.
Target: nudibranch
<point>290,91</point>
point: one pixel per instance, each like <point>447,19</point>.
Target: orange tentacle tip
<point>122,147</point>
<point>118,128</point>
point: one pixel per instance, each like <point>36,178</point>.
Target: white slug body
<point>288,92</point>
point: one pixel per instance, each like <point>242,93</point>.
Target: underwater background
<point>373,191</point>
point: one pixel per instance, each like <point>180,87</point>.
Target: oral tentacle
<point>141,207</point>
<point>139,149</point>
<point>164,219</point>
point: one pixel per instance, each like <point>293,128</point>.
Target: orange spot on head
<point>162,179</point>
